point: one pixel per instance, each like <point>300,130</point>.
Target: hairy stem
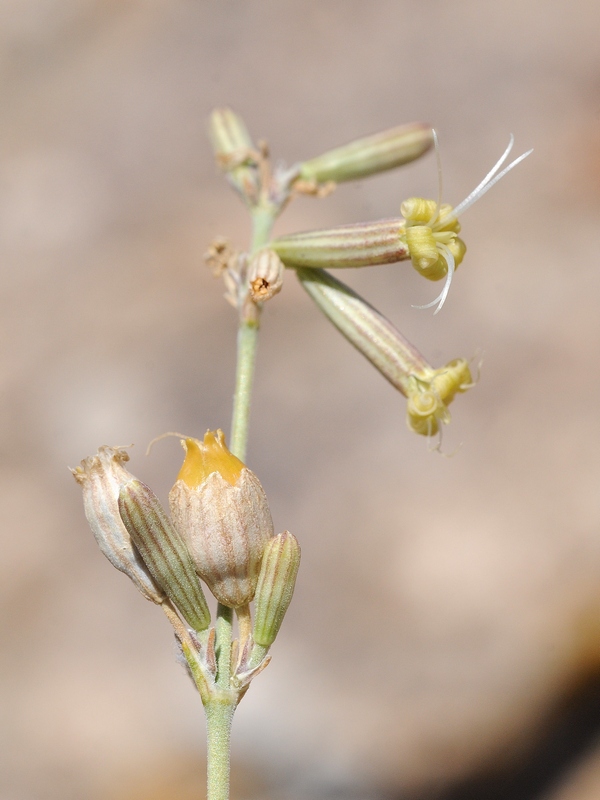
<point>223,645</point>
<point>219,715</point>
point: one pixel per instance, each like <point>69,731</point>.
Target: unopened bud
<point>234,149</point>
<point>275,587</point>
<point>101,478</point>
<point>163,551</point>
<point>370,155</point>
<point>364,244</point>
<point>265,275</point>
<point>220,509</point>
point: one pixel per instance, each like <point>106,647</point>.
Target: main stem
<point>247,340</point>
<point>263,218</point>
<point>221,706</point>
<point>219,715</point>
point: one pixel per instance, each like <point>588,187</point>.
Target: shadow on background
<point>570,733</point>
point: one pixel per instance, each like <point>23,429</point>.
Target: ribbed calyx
<point>163,551</point>
<point>429,391</point>
<point>369,155</point>
<point>234,150</point>
<point>275,587</point>
<point>364,244</point>
<point>221,511</point>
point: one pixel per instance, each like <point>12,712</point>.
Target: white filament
<point>490,179</point>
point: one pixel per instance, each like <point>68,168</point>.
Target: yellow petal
<point>204,458</point>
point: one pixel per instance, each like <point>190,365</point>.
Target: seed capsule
<point>220,510</point>
<point>163,551</point>
<point>101,478</point>
<point>275,587</point>
<point>370,155</point>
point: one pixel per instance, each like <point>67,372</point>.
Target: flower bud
<point>101,478</point>
<point>233,148</point>
<point>265,275</point>
<point>163,551</point>
<point>220,509</point>
<point>275,587</point>
<point>360,245</point>
<point>370,155</point>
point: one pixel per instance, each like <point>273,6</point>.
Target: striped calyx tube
<point>429,391</point>
<point>363,244</point>
<point>369,155</point>
<point>275,588</point>
<point>163,551</point>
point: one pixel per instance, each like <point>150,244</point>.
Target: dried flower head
<point>265,275</point>
<point>101,477</point>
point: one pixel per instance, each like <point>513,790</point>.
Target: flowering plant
<point>220,530</point>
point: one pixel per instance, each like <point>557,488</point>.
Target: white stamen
<point>490,179</point>
<point>441,298</point>
<point>464,205</point>
<point>438,157</point>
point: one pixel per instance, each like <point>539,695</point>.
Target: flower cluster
<point>220,532</point>
<point>426,235</point>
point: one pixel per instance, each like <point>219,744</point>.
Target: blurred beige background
<point>447,609</point>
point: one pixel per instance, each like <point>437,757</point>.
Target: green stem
<point>223,632</point>
<point>247,341</point>
<point>263,218</point>
<point>222,703</point>
<point>219,709</point>
<point>219,715</point>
